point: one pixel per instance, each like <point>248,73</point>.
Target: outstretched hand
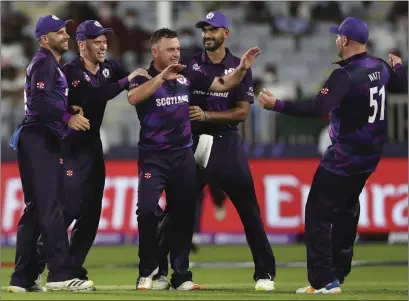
<point>172,71</point>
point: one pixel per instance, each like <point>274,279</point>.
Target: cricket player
<point>93,81</point>
<point>356,97</point>
<point>40,145</point>
<point>216,116</point>
<point>166,160</point>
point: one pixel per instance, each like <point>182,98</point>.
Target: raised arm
<point>141,88</point>
<point>80,88</point>
<point>398,81</point>
<point>336,87</point>
<point>226,82</point>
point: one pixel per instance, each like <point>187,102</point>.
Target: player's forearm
<point>143,92</point>
<point>228,116</point>
<point>107,92</point>
<point>48,111</point>
<point>301,108</point>
<point>229,81</point>
<point>400,79</point>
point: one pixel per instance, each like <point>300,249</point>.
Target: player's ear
<point>80,45</point>
<point>44,39</point>
<point>154,51</point>
<point>226,33</point>
<point>345,41</point>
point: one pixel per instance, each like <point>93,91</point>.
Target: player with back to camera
<point>356,96</point>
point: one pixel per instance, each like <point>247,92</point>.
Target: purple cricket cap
<point>214,18</point>
<point>49,23</point>
<point>353,28</point>
<point>91,29</point>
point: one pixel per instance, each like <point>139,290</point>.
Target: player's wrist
<point>161,77</point>
<point>66,117</point>
<point>205,116</point>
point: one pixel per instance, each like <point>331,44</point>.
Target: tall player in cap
<point>166,160</point>
<point>93,81</point>
<point>39,141</point>
<point>356,96</point>
<point>214,118</point>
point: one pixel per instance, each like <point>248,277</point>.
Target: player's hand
<point>79,123</point>
<point>249,57</point>
<point>267,100</point>
<point>394,60</point>
<point>171,72</point>
<point>77,110</point>
<point>196,113</point>
<point>139,72</point>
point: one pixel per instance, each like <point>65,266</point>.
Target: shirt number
<point>374,103</point>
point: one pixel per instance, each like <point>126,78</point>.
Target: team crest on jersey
<point>210,16</point>
<point>133,85</point>
<point>182,80</point>
<point>40,85</point>
<point>87,78</point>
<point>324,91</point>
<point>96,23</point>
<point>75,83</point>
<point>105,72</point>
<point>196,67</point>
<point>228,71</point>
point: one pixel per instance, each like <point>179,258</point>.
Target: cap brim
<point>334,29</point>
<point>61,25</point>
<point>103,32</point>
<point>202,24</point>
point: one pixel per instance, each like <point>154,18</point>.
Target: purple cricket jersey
<point>46,94</point>
<point>356,97</point>
<point>93,91</point>
<point>215,101</point>
<point>164,117</point>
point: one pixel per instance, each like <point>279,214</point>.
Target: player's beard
<point>215,45</point>
<point>58,46</point>
<point>93,55</point>
<point>340,50</point>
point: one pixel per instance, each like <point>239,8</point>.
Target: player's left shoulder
<point>109,67</point>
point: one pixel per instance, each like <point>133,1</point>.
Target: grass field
<point>114,273</point>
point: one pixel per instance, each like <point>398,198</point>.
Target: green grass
<point>364,283</point>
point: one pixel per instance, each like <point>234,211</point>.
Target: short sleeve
<point>118,71</point>
<point>244,91</point>
<point>199,79</point>
<point>137,81</point>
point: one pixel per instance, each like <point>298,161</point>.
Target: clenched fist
<point>394,60</point>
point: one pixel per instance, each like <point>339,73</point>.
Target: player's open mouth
<point>208,42</point>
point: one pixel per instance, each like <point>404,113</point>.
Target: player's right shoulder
<point>41,62</point>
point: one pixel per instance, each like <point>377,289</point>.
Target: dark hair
<point>163,33</point>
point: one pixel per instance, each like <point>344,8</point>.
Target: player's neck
<point>218,55</point>
<point>157,66</point>
<point>353,52</point>
<point>90,66</point>
<point>56,54</point>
